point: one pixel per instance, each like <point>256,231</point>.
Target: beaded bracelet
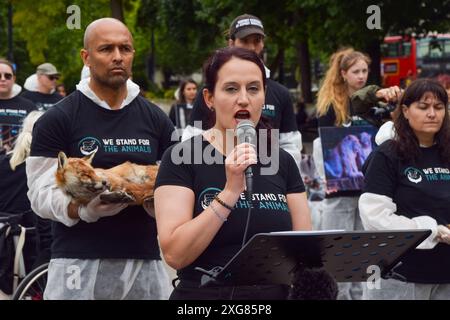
<point>217,213</point>
<point>223,203</point>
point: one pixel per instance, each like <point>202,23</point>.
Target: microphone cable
<point>249,212</point>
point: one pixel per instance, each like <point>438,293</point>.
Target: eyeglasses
<point>52,77</point>
<point>6,75</point>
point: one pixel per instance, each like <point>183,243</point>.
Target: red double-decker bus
<point>398,60</point>
<point>406,58</point>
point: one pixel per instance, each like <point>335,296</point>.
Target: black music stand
<point>272,258</point>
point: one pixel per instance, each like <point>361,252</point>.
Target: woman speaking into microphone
<point>200,202</point>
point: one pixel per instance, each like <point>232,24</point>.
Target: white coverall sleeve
<point>292,143</point>
<point>378,213</point>
<point>47,200</point>
<point>386,132</point>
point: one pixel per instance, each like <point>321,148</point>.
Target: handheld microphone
<point>246,133</point>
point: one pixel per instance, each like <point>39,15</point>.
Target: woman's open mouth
<point>242,115</point>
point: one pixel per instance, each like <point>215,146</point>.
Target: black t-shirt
<point>139,133</point>
<point>13,198</point>
<point>418,189</point>
<point>278,109</point>
<point>270,212</point>
<point>12,113</point>
<point>179,114</point>
<point>43,101</point>
<point>14,201</point>
<point>329,119</point>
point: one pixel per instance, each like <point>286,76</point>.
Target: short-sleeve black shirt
<point>139,133</point>
<point>12,113</point>
<point>270,211</point>
<point>418,189</point>
<point>43,101</point>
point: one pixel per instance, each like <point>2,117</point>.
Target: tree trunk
<point>151,59</point>
<point>10,33</point>
<point>275,63</point>
<point>281,67</point>
<point>117,9</point>
<point>305,70</point>
<point>374,51</point>
<point>166,82</point>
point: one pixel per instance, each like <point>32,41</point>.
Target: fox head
<point>78,178</point>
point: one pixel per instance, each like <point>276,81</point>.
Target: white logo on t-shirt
<point>414,175</point>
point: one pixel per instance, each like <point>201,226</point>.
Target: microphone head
<point>245,132</point>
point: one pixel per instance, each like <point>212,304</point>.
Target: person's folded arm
<point>379,212</point>
<point>182,237</point>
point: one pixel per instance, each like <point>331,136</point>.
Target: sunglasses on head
<point>6,75</point>
<point>52,77</point>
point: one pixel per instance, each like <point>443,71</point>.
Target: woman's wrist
<point>229,197</point>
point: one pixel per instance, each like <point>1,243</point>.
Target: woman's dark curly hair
<point>406,142</point>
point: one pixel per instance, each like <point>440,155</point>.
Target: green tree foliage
<point>42,25</point>
<point>182,37</point>
<point>21,59</point>
<point>335,23</point>
<point>185,32</point>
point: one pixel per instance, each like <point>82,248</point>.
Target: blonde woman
<point>13,187</point>
<point>341,98</point>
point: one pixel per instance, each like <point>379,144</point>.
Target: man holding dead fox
<point>106,248</point>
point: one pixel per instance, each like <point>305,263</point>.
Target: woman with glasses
<point>13,108</point>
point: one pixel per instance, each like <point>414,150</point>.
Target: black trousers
<point>187,290</point>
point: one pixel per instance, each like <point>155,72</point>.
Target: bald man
<point>100,251</point>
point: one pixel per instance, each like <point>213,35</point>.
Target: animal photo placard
<point>345,150</point>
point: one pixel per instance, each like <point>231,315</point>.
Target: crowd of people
<point>215,191</point>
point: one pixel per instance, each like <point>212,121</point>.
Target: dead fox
<point>128,182</point>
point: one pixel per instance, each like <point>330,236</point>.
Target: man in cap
<point>46,95</point>
<point>247,31</point>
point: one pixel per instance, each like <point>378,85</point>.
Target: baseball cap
<point>47,69</point>
<point>245,25</point>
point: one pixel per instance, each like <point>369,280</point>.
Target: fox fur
<point>128,182</point>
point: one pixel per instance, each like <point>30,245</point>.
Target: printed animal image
<point>345,150</point>
<point>366,144</point>
<point>344,160</point>
<point>128,182</point>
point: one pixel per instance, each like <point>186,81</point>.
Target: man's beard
<point>113,82</point>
